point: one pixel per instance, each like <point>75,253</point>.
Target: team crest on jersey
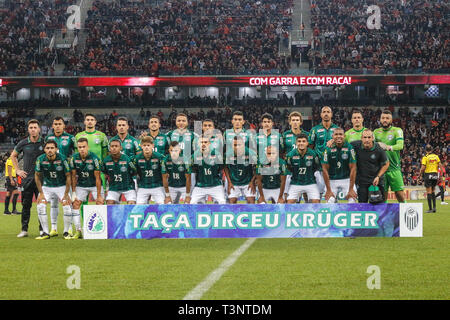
<point>123,169</point>
<point>181,168</point>
<point>128,146</point>
<point>308,163</point>
<point>97,141</point>
<point>390,137</point>
<point>59,168</point>
<point>154,166</point>
<point>64,142</point>
<point>160,142</point>
<point>344,156</point>
<point>372,156</point>
<point>90,167</point>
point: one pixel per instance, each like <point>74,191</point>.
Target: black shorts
<point>431,179</point>
<point>10,187</point>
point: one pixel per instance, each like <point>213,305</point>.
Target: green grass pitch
<point>279,269</point>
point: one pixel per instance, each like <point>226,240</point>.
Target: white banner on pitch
<point>95,222</point>
<point>411,219</point>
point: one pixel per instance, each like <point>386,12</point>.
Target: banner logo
<point>411,218</point>
<point>96,223</point>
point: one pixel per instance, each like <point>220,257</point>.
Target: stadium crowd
<point>212,37</point>
<point>26,28</point>
<point>184,37</point>
<point>413,36</point>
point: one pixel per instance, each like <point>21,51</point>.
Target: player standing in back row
<point>130,145</point>
<point>183,136</point>
<point>97,141</point>
<point>355,133</point>
<point>318,139</point>
<point>160,140</point>
<point>390,138</point>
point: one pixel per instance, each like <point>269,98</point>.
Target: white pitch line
<point>214,276</point>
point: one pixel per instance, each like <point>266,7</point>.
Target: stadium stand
<point>197,37</point>
<point>26,29</point>
<point>184,37</point>
<point>414,37</point>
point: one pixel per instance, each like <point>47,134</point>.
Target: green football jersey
<point>176,171</point>
<point>120,173</point>
<point>271,173</point>
<point>248,136</point>
<point>391,137</point>
<point>208,170</point>
<point>149,171</point>
<point>353,135</point>
<point>241,168</point>
<point>290,140</point>
<point>185,140</point>
<point>97,141</point>
<point>130,145</point>
<point>161,143</point>
<point>303,167</point>
<point>319,136</point>
<point>216,144</point>
<point>53,171</point>
<point>65,142</point>
<point>85,169</point>
<point>339,159</point>
<point>274,138</point>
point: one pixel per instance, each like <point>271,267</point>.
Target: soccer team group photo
<point>236,150</point>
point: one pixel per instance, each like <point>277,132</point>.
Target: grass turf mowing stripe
<point>213,277</point>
